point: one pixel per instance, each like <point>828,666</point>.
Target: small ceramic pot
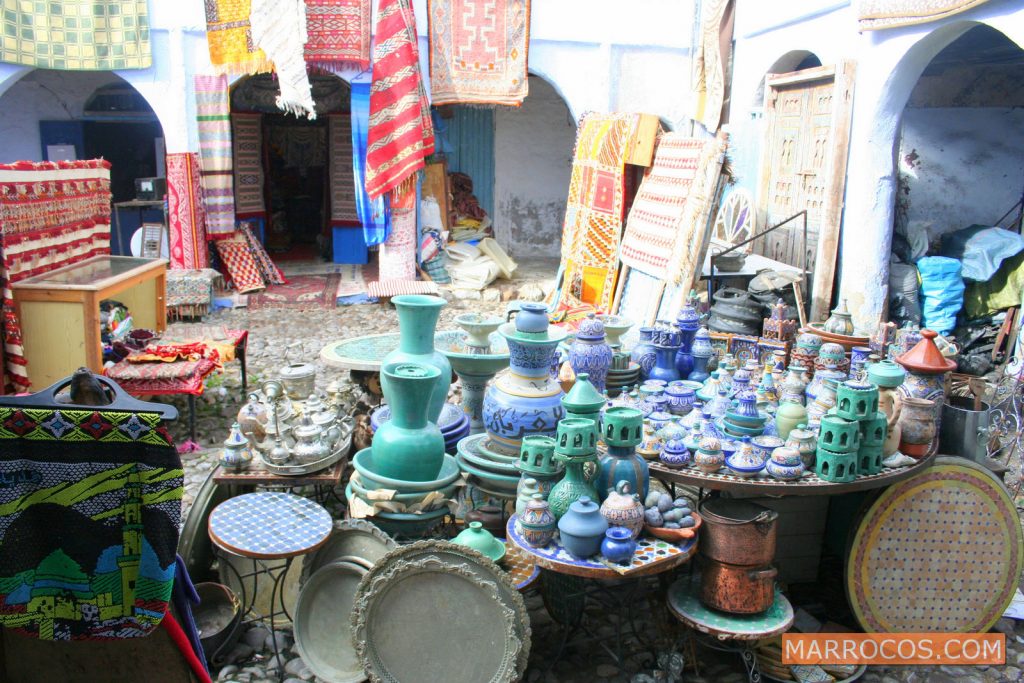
<point>764,445</point>
<point>709,457</point>
<point>784,472</point>
<point>746,462</point>
<point>532,317</point>
<point>804,442</point>
<point>236,454</point>
<point>680,399</point>
<point>582,528</point>
<point>537,525</point>
<point>618,545</point>
<point>675,454</point>
<point>481,540</point>
<point>525,491</point>
<point>623,509</point>
<point>788,416</point>
<point>917,426</point>
<point>831,354</point>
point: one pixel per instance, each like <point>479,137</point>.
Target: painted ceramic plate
<point>395,611</point>
<point>349,538</point>
<point>323,622</point>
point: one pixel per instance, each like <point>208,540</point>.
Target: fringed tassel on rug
<point>279,29</point>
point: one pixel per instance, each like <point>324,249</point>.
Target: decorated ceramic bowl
<point>786,456</point>
<point>764,445</point>
<point>743,467</point>
<point>785,472</point>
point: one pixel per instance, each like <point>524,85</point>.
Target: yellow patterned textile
<point>593,213</point>
<point>230,38</point>
<point>76,35</point>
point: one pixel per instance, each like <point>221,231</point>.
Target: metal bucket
<point>964,430</point>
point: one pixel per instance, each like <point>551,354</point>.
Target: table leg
<point>240,355</point>
<point>745,649</point>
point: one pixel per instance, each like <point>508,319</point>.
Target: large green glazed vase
<point>417,323</point>
<point>408,447</point>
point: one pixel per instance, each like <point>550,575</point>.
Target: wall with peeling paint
<point>533,147</point>
<point>962,165</point>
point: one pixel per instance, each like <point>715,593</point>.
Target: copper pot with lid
<point>737,589</point>
<point>738,532</point>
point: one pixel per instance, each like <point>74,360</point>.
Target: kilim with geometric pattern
<point>339,32</point>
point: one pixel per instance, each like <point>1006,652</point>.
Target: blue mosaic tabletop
<point>652,556</point>
<point>269,524</point>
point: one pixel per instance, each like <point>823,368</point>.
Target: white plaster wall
<point>963,165</point>
<point>533,148</point>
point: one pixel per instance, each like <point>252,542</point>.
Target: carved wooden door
<point>804,167</point>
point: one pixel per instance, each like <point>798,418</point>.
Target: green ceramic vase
<point>408,446</point>
<point>788,416</point>
<point>417,324</point>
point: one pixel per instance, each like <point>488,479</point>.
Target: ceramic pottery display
<point>859,355</point>
<point>622,432</point>
<point>525,400</point>
<point>537,525</point>
<point>687,322</point>
<point>822,376</point>
<point>857,400</point>
<point>709,457</point>
<point>926,376</point>
<point>835,467</point>
<point>481,540</point>
<point>785,464</point>
<point>702,351</point>
<point>778,367</point>
<point>623,508</point>
<point>614,327</point>
<point>674,452</point>
<point>803,441</point>
<point>838,435</point>
<point>408,446</point>
<point>746,462</point>
<point>537,462</point>
<point>584,400</point>
<point>886,374</point>
<point>643,352</point>
<point>917,426</point>
<point>575,445</point>
<point>235,454</point>
<point>581,529</point>
<point>590,353</point>
<point>832,354</point>
<point>618,544</point>
<point>890,404</point>
<point>765,445</point>
<point>767,392</point>
<point>840,322</point>
<point>476,366</point>
<point>808,345</point>
<point>417,322</point>
<point>788,416</point>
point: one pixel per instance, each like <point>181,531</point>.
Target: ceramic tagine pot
<point>590,353</point>
<point>926,369</point>
<point>581,529</point>
<point>236,454</point>
<point>643,351</point>
<point>618,545</point>
<point>481,540</point>
<point>622,431</point>
<point>746,462</point>
<point>576,446</point>
<point>537,525</point>
<point>840,322</point>
<point>408,446</point>
<point>674,452</point>
<point>709,457</point>
<point>525,400</point>
<point>623,508</point>
<point>786,464</point>
<point>417,323</point>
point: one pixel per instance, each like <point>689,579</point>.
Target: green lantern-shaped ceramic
<point>575,445</point>
<point>408,447</point>
<point>622,431</point>
<point>584,400</point>
<point>417,322</point>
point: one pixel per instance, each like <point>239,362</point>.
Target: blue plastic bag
<point>942,292</point>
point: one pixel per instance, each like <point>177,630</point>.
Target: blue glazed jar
<point>526,400</point>
<point>680,399</point>
<point>590,353</point>
<point>532,318</point>
<point>581,529</point>
<point>622,432</point>
<point>643,352</point>
<point>618,545</point>
<point>664,364</point>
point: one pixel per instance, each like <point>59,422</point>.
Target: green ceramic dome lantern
<point>575,445</point>
<point>584,400</point>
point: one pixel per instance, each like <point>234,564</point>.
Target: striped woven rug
<point>214,125</point>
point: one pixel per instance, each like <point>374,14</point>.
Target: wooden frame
<point>842,75</point>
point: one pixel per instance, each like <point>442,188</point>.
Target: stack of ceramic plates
<point>453,423</point>
<point>621,378</point>
<point>411,524</point>
<point>738,426</point>
<point>490,471</point>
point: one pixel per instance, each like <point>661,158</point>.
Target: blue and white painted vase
<point>590,352</point>
<point>527,399</point>
<point>643,352</point>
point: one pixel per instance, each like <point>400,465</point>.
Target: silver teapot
<point>310,445</point>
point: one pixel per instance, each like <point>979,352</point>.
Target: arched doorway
<point>305,165</point>
<point>60,115</point>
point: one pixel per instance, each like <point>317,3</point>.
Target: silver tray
<point>323,624</point>
<point>349,538</point>
<point>315,466</point>
<point>395,621</point>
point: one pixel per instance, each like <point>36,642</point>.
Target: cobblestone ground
<point>280,336</point>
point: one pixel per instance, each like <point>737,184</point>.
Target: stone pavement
<point>278,337</point>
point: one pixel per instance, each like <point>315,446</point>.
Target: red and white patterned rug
<point>302,291</point>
